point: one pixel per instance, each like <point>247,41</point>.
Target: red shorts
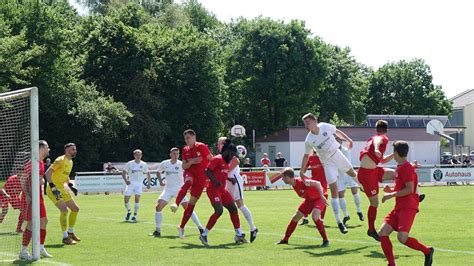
<point>370,179</point>
<point>42,211</point>
<point>307,206</point>
<point>198,184</point>
<point>401,220</point>
<point>219,195</point>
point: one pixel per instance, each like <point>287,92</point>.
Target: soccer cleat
<point>429,257</point>
<point>73,237</point>
<point>44,253</point>
<point>174,207</point>
<point>204,240</point>
<point>373,234</point>
<point>240,239</point>
<point>69,241</point>
<point>156,233</point>
<point>304,221</point>
<point>24,255</point>
<point>361,216</point>
<point>325,243</point>
<point>345,219</point>
<point>421,197</point>
<point>282,242</point>
<point>342,228</point>
<point>201,230</point>
<point>127,217</point>
<point>134,219</point>
<point>180,232</point>
<point>253,235</point>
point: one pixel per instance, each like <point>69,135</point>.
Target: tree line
<point>135,74</point>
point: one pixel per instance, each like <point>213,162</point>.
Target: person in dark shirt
<point>247,164</point>
<point>280,161</point>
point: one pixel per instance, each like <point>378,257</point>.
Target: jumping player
<point>170,175</point>
<point>217,171</point>
<point>26,184</point>
<point>196,156</point>
<point>136,170</point>
<point>58,178</point>
<point>235,186</point>
<point>314,203</point>
<point>322,138</point>
<point>401,218</point>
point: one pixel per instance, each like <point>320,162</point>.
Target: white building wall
<point>266,147</point>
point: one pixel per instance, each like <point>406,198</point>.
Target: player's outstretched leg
<point>320,226</point>
<point>234,217</point>
<point>218,210</point>
<point>181,194</point>
<point>291,227</point>
<point>248,216</point>
<point>194,217</point>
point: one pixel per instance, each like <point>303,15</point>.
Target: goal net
<point>18,192</point>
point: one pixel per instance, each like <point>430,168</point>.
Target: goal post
<point>19,148</point>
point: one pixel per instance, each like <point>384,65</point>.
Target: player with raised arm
<point>317,173</point>
<point>346,181</point>
<point>136,170</point>
<point>235,186</point>
<point>58,179</point>
<point>314,203</point>
<point>196,156</point>
<point>170,175</point>
<point>401,218</point>
<point>11,194</point>
<point>217,171</point>
<point>321,137</point>
<point>26,185</point>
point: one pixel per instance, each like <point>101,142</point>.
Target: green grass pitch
<point>445,222</point>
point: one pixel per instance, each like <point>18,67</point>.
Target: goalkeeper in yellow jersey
<point>59,191</point>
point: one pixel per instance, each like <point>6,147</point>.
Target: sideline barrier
<point>92,182</point>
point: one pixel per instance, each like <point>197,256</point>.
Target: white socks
<point>70,230</point>
<point>127,206</point>
<point>137,205</point>
<point>342,202</point>
<point>206,232</point>
<point>248,216</point>
<point>65,234</point>
<point>357,201</point>
<point>335,209</point>
<point>238,231</point>
<point>158,219</point>
<point>195,219</point>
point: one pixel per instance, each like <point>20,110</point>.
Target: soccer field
<point>445,222</point>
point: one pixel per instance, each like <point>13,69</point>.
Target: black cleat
<point>155,234</point>
<point>342,228</point>
<point>361,216</point>
<point>421,197</point>
<point>373,234</point>
<point>325,244</point>
<point>282,242</point>
<point>201,231</point>
<point>253,235</point>
<point>429,257</point>
<point>345,219</point>
<point>204,240</point>
<point>304,221</point>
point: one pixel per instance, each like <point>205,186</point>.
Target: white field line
<point>373,243</point>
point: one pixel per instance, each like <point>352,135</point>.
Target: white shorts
<point>344,180</point>
<point>169,193</point>
<point>237,189</point>
<point>133,188</point>
<point>335,164</point>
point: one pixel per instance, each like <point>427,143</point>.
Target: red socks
<point>42,236</point>
<point>182,192</point>
<point>187,214</point>
<point>234,217</point>
<point>414,244</point>
<point>289,230</point>
<point>26,237</point>
<point>387,249</point>
<point>371,216</point>
<point>322,231</point>
<point>212,221</point>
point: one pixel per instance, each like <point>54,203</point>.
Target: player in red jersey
<point>317,173</point>
<point>314,203</point>
<point>11,194</point>
<point>195,157</point>
<point>401,218</point>
<point>26,184</point>
<point>370,175</point>
<point>217,171</point>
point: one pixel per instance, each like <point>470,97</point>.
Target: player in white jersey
<point>170,175</point>
<point>133,175</point>
<point>235,186</point>
<point>322,138</point>
<point>344,181</point>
